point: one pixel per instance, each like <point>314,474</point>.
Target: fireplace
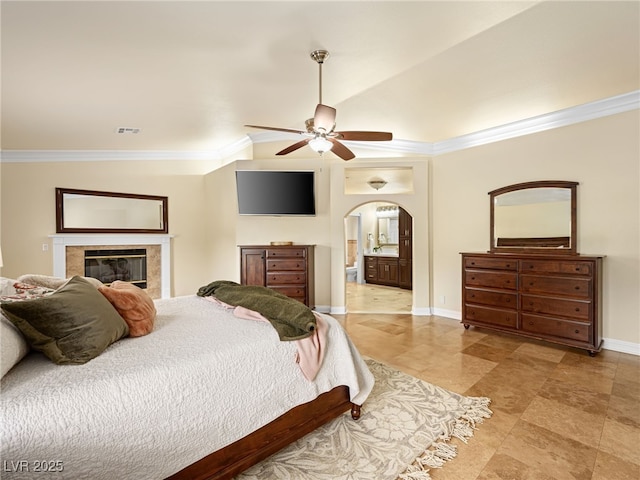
<point>127,265</point>
<point>70,258</point>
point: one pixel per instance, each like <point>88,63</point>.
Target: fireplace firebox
<point>109,265</point>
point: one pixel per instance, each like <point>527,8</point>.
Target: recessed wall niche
<point>381,180</point>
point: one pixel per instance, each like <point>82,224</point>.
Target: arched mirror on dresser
<point>534,216</point>
<point>532,282</point>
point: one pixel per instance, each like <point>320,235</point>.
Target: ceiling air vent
<point>127,130</point>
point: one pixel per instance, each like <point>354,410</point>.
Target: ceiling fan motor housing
<point>319,56</point>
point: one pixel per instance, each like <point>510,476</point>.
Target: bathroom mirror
<point>90,211</point>
<point>534,217</point>
<point>387,224</point>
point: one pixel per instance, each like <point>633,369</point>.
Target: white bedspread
<point>149,406</point>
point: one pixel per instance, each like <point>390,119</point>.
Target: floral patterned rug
<point>404,431</point>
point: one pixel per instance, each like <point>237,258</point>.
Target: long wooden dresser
<point>557,298</point>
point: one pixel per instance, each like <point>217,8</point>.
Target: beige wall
<point>602,155</point>
<point>229,229</point>
<point>28,210</point>
<point>450,209</point>
<point>417,206</point>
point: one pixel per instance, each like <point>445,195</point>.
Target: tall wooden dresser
<point>288,269</point>
<point>553,298</point>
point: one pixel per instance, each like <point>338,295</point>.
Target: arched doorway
<point>378,258</point>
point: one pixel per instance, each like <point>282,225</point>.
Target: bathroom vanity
<point>392,269</point>
<point>382,269</point>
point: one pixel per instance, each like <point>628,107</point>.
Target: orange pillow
<point>133,304</point>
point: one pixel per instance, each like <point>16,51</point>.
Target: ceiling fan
<point>320,131</point>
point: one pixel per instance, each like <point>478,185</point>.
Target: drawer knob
<point>531,284</point>
<point>473,263</point>
<point>531,323</point>
<point>508,281</point>
<point>508,300</point>
<point>473,278</point>
<point>577,287</point>
<point>531,304</point>
<point>530,266</point>
<point>508,265</point>
<point>473,295</point>
<point>576,331</point>
<point>577,309</point>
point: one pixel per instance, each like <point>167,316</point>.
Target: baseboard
<point>453,314</point>
<point>608,343</point>
<point>621,346</point>
<point>422,311</point>
<point>328,309</point>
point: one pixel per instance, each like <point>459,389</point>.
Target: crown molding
<point>561,118</point>
<point>540,123</point>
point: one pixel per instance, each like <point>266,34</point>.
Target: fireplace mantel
<point>62,240</point>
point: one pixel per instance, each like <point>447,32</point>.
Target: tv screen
<point>267,192</point>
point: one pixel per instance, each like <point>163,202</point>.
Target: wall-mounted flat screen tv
<point>277,193</point>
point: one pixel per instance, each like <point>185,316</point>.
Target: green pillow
<point>73,325</point>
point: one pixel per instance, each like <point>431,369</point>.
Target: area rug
<point>405,430</point>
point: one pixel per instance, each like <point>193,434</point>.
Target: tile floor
<point>365,297</point>
<point>558,413</point>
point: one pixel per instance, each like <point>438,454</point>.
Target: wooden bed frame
<point>249,450</point>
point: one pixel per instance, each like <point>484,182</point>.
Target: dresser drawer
<point>571,286</point>
<point>559,266</point>
<point>286,252</point>
<point>487,297</point>
<point>291,278</point>
<point>276,264</point>
<point>297,293</point>
<point>504,280</point>
<point>491,316</point>
<point>578,309</point>
<point>556,327</point>
<point>491,263</point>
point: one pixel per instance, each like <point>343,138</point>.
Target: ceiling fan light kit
<point>320,130</point>
<point>320,144</point>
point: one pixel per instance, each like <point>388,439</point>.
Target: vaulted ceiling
<point>191,74</point>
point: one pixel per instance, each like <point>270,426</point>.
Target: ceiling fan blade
<point>340,150</point>
<point>294,147</point>
<point>288,130</point>
<point>325,118</point>
<point>365,136</point>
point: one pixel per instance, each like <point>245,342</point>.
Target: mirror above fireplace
<point>534,217</point>
<point>90,211</point>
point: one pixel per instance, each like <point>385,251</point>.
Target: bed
<point>204,395</point>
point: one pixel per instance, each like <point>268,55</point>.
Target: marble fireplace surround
<point>68,255</point>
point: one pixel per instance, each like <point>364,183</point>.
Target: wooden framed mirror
<point>91,211</point>
<point>534,217</point>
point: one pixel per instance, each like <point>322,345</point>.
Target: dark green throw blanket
<point>291,319</point>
